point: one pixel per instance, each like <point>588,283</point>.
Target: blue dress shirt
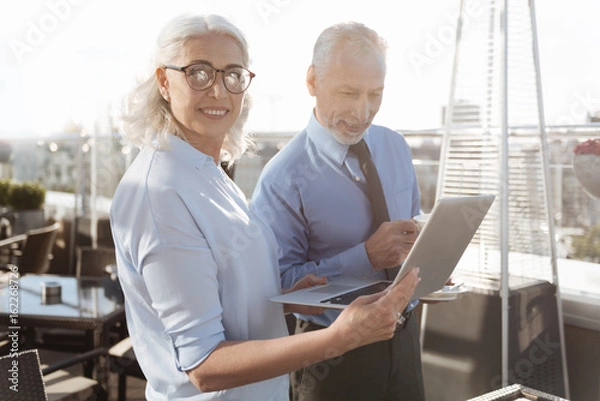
<point>196,267</point>
<point>312,194</point>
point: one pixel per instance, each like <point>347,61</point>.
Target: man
<point>315,197</point>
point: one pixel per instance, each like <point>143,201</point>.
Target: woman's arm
<point>367,320</point>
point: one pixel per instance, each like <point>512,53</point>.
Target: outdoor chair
<point>52,383</point>
<point>122,361</point>
<point>32,251</point>
<point>94,261</point>
<point>5,341</point>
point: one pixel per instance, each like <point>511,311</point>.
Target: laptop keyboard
<point>348,297</point>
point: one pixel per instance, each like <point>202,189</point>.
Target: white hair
<point>148,119</point>
<point>360,38</point>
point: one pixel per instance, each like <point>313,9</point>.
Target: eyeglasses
<point>202,76</point>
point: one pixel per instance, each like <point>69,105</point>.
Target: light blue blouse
<point>196,268</point>
<point>312,194</point>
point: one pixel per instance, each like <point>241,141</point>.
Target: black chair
<point>5,340</point>
<point>123,362</point>
<point>94,261</point>
<point>35,382</point>
<point>32,251</point>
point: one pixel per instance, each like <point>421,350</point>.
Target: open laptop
<point>437,250</point>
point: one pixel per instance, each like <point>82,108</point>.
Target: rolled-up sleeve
<point>194,269</point>
<point>182,284</point>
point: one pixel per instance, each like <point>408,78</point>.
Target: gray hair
<point>355,35</point>
<point>148,120</point>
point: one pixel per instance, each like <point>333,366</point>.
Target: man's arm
<point>282,210</point>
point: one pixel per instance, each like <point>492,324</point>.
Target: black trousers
<point>387,371</point>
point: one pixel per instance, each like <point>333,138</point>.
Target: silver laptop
<point>437,250</point>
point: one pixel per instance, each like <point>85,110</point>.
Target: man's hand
<point>389,245</point>
<point>310,280</point>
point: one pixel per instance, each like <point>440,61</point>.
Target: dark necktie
<point>374,191</point>
<point>374,188</point>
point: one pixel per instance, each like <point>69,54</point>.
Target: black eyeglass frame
<point>214,79</point>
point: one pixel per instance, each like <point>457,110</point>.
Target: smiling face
<point>349,92</point>
<point>204,116</point>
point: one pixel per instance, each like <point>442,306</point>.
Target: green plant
<point>587,247</point>
<point>26,195</point>
<point>5,185</point>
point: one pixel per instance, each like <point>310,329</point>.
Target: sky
<point>65,61</point>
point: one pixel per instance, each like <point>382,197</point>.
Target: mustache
<point>355,123</point>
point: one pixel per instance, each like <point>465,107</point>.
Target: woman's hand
<point>373,318</point>
<point>307,281</point>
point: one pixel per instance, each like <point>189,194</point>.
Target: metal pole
<point>445,140</point>
<point>450,106</point>
<point>93,187</point>
<point>504,289</point>
<point>78,189</point>
<point>548,191</point>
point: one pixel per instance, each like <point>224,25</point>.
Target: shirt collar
<point>326,142</point>
<point>185,150</point>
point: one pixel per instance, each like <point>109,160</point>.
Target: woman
<point>197,269</point>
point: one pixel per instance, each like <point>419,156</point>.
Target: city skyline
<point>73,61</point>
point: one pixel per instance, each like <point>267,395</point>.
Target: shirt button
<point>356,178</point>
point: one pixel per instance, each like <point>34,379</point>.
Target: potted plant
<point>586,165</point>
<point>5,214</point>
<point>5,185</point>
<point>27,202</point>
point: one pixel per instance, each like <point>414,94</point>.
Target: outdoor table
<point>87,303</point>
